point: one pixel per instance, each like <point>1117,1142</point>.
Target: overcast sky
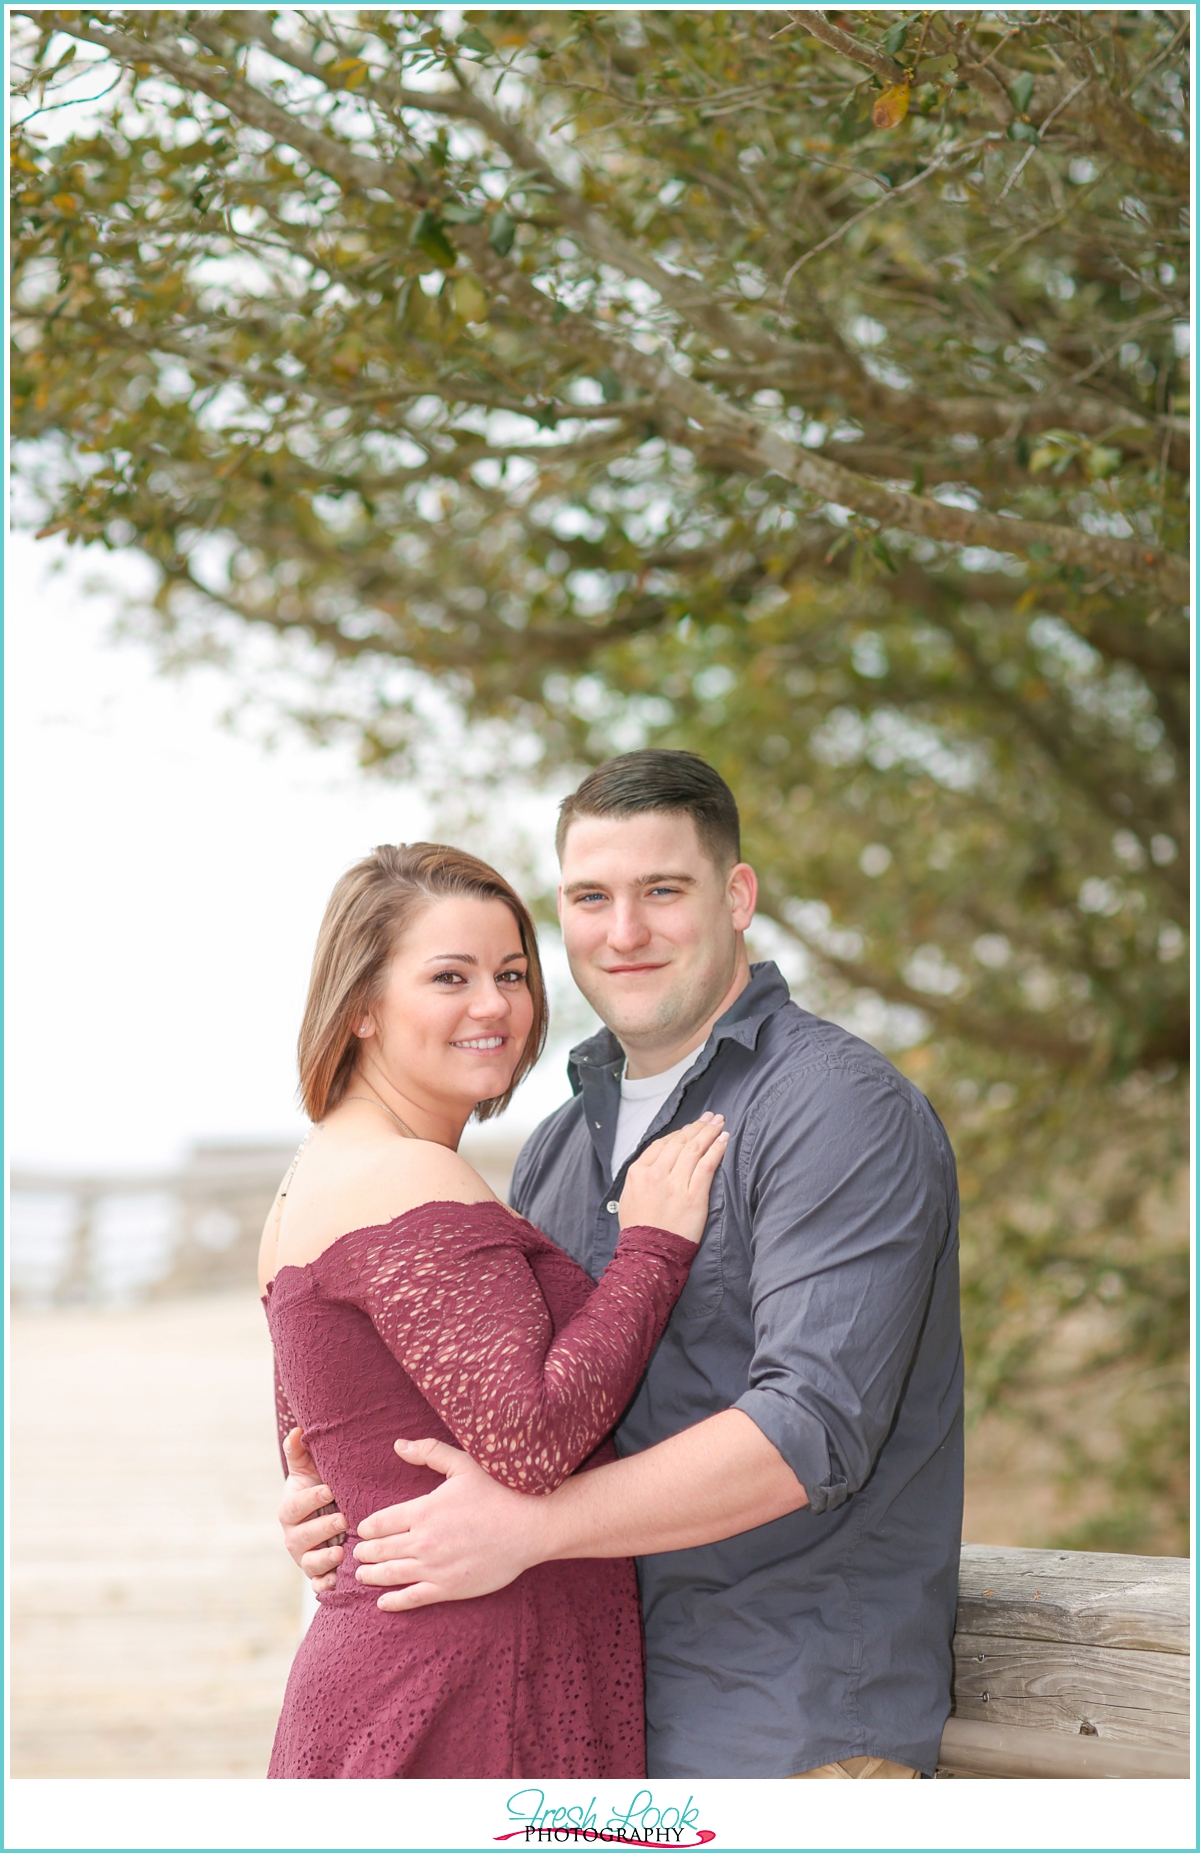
<point>166,878</point>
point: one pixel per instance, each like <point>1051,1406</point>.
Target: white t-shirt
<point>640,1101</point>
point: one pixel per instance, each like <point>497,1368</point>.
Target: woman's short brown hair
<point>369,911</point>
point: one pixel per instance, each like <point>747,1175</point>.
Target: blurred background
<point>345,536</point>
<point>167,875</point>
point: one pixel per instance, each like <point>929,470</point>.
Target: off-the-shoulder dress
<point>465,1323</point>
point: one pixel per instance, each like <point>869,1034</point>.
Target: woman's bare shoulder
<point>415,1171</point>
<point>337,1191</point>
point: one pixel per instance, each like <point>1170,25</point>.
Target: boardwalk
<point>154,1614</point>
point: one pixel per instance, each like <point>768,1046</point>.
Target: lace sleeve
<point>460,1308</point>
<point>285,1421</point>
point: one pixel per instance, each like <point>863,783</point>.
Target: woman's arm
<point>450,1290</point>
<point>453,1296</point>
<point>285,1421</point>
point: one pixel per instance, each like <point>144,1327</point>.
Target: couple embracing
<point>660,1469</point>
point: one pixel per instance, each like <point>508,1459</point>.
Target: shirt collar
<point>766,992</point>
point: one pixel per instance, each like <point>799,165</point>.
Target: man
<point>791,1479</point>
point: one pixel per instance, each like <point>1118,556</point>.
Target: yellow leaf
<point>470,302</point>
<point>891,106</point>
<point>352,71</point>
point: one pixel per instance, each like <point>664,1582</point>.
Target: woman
<point>404,1298</point>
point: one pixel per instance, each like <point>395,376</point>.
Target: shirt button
<point>612,1206</point>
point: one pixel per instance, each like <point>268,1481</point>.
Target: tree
<point>808,390</point>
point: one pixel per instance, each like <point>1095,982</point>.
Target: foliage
<point>813,395</point>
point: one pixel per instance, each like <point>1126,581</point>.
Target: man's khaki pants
<point>856,1768</point>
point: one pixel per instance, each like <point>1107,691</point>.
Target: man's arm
<point>471,1535</point>
<point>712,1481</point>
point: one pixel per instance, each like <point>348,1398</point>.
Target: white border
<point>470,1815</point>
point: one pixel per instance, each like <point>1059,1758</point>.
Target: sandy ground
<point>154,1613</point>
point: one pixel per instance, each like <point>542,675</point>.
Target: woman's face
<point>455,1012</point>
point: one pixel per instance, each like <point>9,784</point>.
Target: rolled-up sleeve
<point>848,1213</point>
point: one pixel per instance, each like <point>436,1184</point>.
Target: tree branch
<point>241,99</point>
<point>1115,124</point>
<point>952,1019</point>
<point>714,420</point>
<point>1108,794</point>
<point>723,328</point>
<point>841,42</point>
<point>979,417</point>
<point>1119,128</point>
<point>556,645</point>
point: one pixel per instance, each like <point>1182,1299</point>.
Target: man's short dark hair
<point>659,779</point>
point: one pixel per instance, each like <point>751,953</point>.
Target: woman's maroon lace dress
<point>465,1323</point>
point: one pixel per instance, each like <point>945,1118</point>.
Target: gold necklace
<point>370,1101</point>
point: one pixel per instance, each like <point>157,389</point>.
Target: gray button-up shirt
<point>824,1303</point>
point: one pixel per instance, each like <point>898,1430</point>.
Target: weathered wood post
<point>76,1283</point>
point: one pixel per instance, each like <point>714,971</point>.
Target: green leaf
<point>504,230</point>
<point>930,69</point>
<point>610,386</point>
<point>1022,132</point>
<point>429,236</point>
<point>1021,91</point>
<point>1102,460</point>
<point>893,43</point>
<point>416,311</point>
<point>478,42</point>
<point>462,215</point>
<point>1055,451</point>
<point>854,117</point>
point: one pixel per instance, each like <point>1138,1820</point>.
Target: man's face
<point>652,927</point>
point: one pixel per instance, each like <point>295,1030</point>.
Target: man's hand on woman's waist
<point>471,1535</point>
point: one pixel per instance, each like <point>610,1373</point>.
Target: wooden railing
<point>1070,1664</point>
<point>95,1239</point>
